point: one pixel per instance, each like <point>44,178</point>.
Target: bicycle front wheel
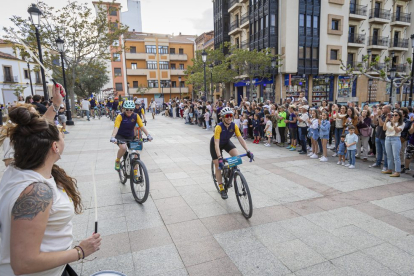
<point>244,199</point>
<point>213,174</point>
<point>139,181</point>
<point>122,172</point>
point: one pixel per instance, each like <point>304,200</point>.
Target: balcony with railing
<point>244,20</point>
<point>399,44</point>
<point>380,66</point>
<point>379,16</point>
<point>401,19</point>
<point>358,12</point>
<point>182,57</point>
<point>401,68</point>
<point>378,42</point>
<point>354,64</point>
<point>356,40</point>
<point>234,27</point>
<point>234,4</point>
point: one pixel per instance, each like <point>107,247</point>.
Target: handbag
<point>366,132</point>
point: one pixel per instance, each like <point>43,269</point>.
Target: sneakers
<point>310,153</point>
<point>117,165</point>
<point>314,156</point>
<point>374,165</point>
<point>289,147</point>
<point>387,172</point>
<point>339,163</point>
<point>267,145</point>
<point>351,167</point>
<point>223,192</point>
<point>334,155</point>
<point>395,174</point>
<point>347,165</point>
<point>404,170</point>
<point>66,132</point>
<point>343,163</point>
<point>254,142</point>
<point>303,152</point>
<point>292,149</point>
<point>323,159</point>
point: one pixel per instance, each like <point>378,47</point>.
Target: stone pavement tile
<point>372,210</point>
<point>241,240</point>
<point>406,244</point>
<point>258,262</point>
<point>140,209</point>
<point>350,215</point>
<point>402,187</point>
<point>374,193</point>
<point>160,193</point>
<point>208,209</point>
<point>396,259</point>
<point>382,230</point>
<point>278,213</point>
<point>336,201</point>
<point>108,226</point>
<point>304,207</point>
<point>158,177</point>
<point>356,237</point>
<point>199,251</point>
<point>128,198</point>
<point>157,260</point>
<point>113,245</point>
<point>296,255</point>
<point>259,216</point>
<point>328,245</point>
<point>222,223</point>
<point>149,238</point>
<point>176,175</point>
<point>198,198</point>
<point>122,263</point>
<point>177,214</point>
<point>107,212</point>
<point>189,190</point>
<point>183,182</point>
<point>187,231</point>
<point>138,222</point>
<point>172,202</point>
<point>272,234</point>
<point>220,267</point>
<point>327,221</point>
<point>408,214</point>
<point>178,272</point>
<point>301,227</point>
<point>360,264</point>
<point>326,268</point>
<point>399,221</point>
<point>397,203</point>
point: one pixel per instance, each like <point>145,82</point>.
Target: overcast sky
<point>189,17</point>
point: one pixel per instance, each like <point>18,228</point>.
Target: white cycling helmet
<point>129,104</point>
<point>226,110</point>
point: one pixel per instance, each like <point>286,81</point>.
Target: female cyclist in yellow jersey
<point>124,129</point>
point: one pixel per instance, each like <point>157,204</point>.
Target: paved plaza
<point>310,218</point>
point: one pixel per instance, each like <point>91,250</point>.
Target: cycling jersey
<point>109,104</point>
<point>126,124</point>
<point>224,134</point>
<point>115,105</point>
<point>140,111</point>
<point>93,103</point>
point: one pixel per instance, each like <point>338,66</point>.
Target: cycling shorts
<point>227,147</point>
<point>124,138</point>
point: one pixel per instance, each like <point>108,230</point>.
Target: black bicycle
<point>132,167</point>
<point>231,172</point>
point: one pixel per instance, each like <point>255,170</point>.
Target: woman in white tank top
<point>35,212</point>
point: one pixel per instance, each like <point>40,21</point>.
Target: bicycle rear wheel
<point>244,199</point>
<point>139,181</point>
<point>122,172</point>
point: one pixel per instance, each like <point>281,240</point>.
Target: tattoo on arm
<point>35,199</point>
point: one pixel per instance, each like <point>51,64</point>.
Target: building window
<point>172,66</point>
<point>301,52</point>
<point>181,51</point>
<point>163,64</point>
<point>133,66</point>
<point>117,72</point>
<point>37,77</point>
<point>173,84</point>
<point>181,66</point>
<point>172,51</point>
<point>182,84</point>
<point>152,84</point>
<point>151,49</point>
<point>151,65</point>
<point>162,49</point>
<point>26,73</point>
<point>315,21</point>
<point>118,86</point>
<point>315,54</point>
<point>335,25</point>
<point>134,84</point>
<point>116,57</point>
<point>272,20</point>
<point>164,83</point>
<point>7,70</point>
<point>308,21</point>
<point>113,26</point>
<point>133,49</point>
<point>113,11</point>
<point>301,20</point>
<point>334,55</point>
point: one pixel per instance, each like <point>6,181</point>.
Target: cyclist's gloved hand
<point>250,155</point>
<point>221,163</point>
<point>150,137</point>
<point>113,140</point>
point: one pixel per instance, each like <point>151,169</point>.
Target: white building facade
<point>132,17</point>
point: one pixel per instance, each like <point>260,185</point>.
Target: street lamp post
<point>204,58</point>
<point>370,89</point>
<point>273,62</point>
<point>162,91</point>
<point>211,83</point>
<point>179,84</point>
<point>392,75</point>
<point>129,97</point>
<point>30,76</point>
<point>35,14</point>
<point>61,48</point>
<point>412,72</point>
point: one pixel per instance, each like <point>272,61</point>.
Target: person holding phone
<point>393,127</point>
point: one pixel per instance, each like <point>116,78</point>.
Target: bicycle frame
<point>232,170</point>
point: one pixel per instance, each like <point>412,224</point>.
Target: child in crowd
<point>342,150</point>
<point>207,119</point>
<point>256,129</point>
<point>237,118</point>
<point>351,140</point>
<point>245,126</point>
<point>268,130</point>
<point>314,133</point>
<point>325,127</point>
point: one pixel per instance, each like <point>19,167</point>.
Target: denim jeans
<point>87,113</point>
<point>352,157</point>
<point>393,147</point>
<point>320,145</point>
<point>338,133</point>
<point>303,131</point>
<point>380,145</point>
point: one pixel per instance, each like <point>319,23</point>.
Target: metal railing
<point>401,68</point>
<point>234,25</point>
<point>356,38</point>
<point>354,64</point>
<point>380,66</point>
<point>378,41</point>
<point>358,9</point>
<point>9,78</point>
<point>380,13</point>
<point>244,18</point>
<point>401,17</point>
<point>399,43</point>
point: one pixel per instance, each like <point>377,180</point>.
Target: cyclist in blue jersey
<point>221,141</point>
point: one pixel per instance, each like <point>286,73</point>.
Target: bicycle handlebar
<point>118,142</point>
<point>243,155</point>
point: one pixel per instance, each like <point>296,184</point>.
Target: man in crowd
<point>86,105</point>
<point>40,107</point>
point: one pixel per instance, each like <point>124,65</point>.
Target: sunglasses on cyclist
<point>131,110</point>
<point>228,116</point>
